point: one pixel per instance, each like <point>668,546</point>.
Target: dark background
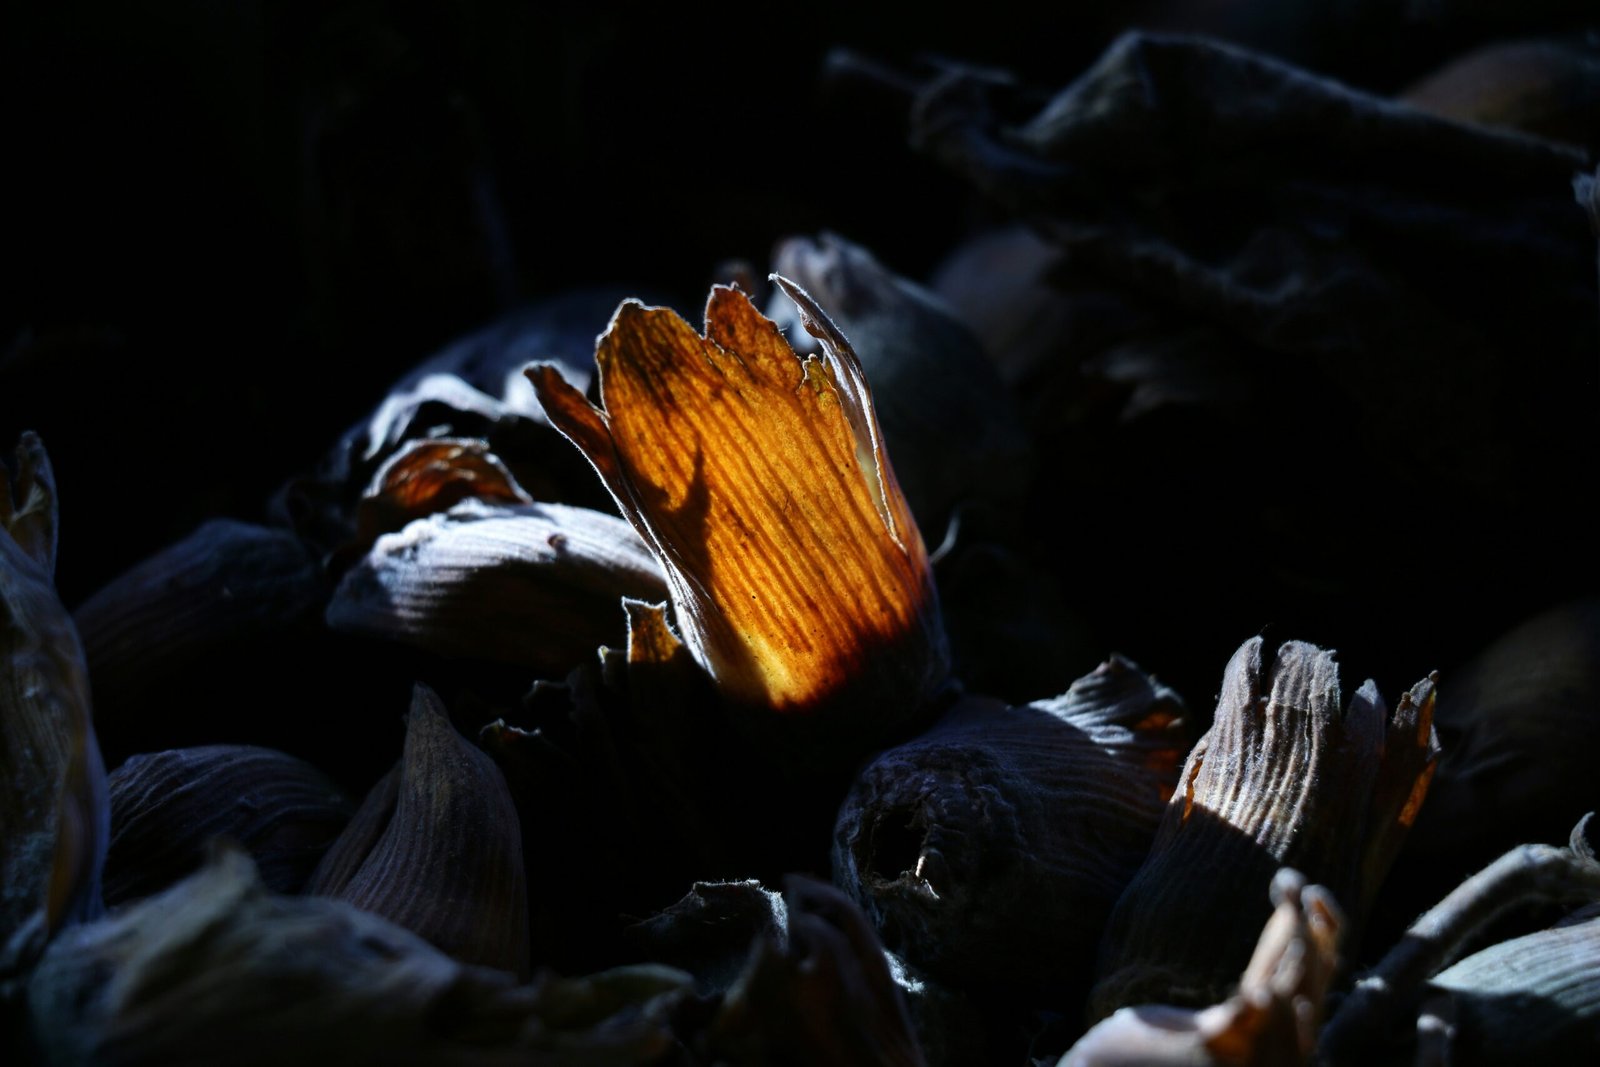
<point>226,227</point>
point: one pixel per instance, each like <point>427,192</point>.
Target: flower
<point>759,479</point>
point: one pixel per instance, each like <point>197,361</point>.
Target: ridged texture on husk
<point>52,781</point>
<point>1283,778</point>
<point>1530,999</point>
<point>991,848</point>
<point>225,584</point>
<point>536,585</point>
<point>218,970</point>
<point>1272,1019</point>
<point>167,806</point>
<point>448,864</point>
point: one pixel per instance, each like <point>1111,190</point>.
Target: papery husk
<point>798,577</point>
<point>990,849</point>
<point>1272,1019</point>
<point>1286,776</point>
<point>536,585</point>
<point>1518,725</point>
<point>819,991</point>
<point>167,806</point>
<point>168,640</point>
<point>1531,999</point>
<point>52,780</point>
<point>448,865</point>
<point>947,420</point>
<point>631,773</point>
<point>219,970</point>
<point>473,388</point>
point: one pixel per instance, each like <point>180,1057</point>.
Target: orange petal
<point>758,478</point>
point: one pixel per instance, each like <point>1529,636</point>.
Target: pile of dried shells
<point>699,764</point>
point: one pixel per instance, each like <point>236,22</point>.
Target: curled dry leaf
<point>1284,777</point>
<point>536,585</point>
<point>52,781</point>
<point>1272,1019</point>
<point>760,481</point>
<point>448,864</point>
<point>429,476</point>
<point>991,848</point>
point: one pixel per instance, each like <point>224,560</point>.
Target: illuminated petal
<point>796,570</point>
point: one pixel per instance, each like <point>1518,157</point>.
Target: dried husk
<point>1284,777</point>
<point>950,424</point>
<point>818,991</point>
<point>219,970</point>
<point>990,849</point>
<point>1519,725</point>
<point>535,585</point>
<point>167,806</point>
<point>1531,999</point>
<point>798,578</point>
<point>52,781</point>
<point>472,389</point>
<point>1272,1019</point>
<point>168,641</point>
<point>426,477</point>
<point>1547,87</point>
<point>448,865</point>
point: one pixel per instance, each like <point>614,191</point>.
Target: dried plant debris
<point>798,576</point>
<point>448,864</point>
<point>215,595</point>
<point>991,849</point>
<point>52,781</point>
<point>167,806</point>
<point>1549,87</point>
<point>536,585</point>
<point>217,969</point>
<point>1271,1020</point>
<point>1518,724</point>
<point>1394,1002</point>
<point>425,477</point>
<point>1286,776</point>
<point>818,992</point>
<point>951,426</point>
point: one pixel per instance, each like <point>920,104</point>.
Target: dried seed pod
<point>52,781</point>
<point>218,970</point>
<point>950,424</point>
<point>1272,1019</point>
<point>798,576</point>
<point>819,992</point>
<point>536,585</point>
<point>1283,777</point>
<point>448,864</point>
<point>991,848</point>
<point>167,806</point>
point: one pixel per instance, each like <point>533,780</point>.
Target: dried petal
<point>992,848</point>
<point>536,585</point>
<point>167,806</point>
<point>425,477</point>
<point>1283,778</point>
<point>797,574</point>
<point>449,862</point>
